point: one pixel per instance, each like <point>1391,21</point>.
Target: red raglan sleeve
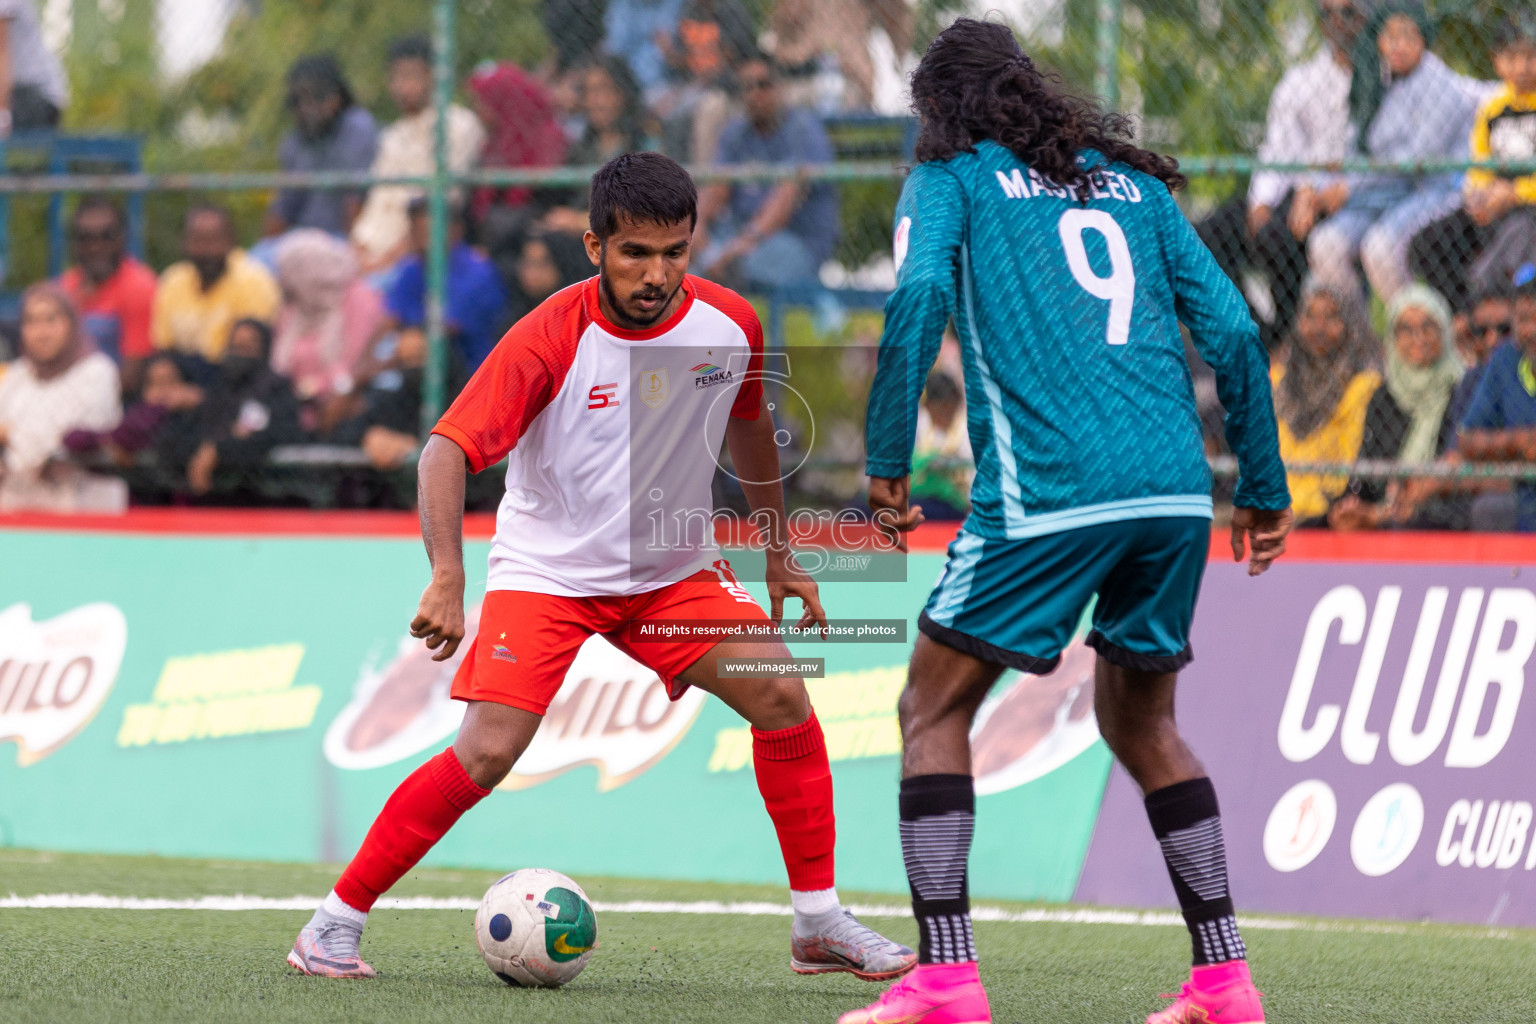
<point>516,382</point>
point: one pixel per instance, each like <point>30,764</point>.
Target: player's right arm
<point>513,385</point>
<point>930,229</point>
<point>1209,304</point>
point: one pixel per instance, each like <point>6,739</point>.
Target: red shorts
<point>527,641</point>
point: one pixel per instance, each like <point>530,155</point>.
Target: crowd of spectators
<point>181,383</point>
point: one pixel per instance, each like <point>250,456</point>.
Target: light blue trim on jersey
<point>1156,507</point>
<point>1002,429</point>
<point>954,587</point>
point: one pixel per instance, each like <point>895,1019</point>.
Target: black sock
<point>1187,823</point>
<point>938,815</point>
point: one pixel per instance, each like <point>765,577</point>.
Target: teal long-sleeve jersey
<point>1079,398</point>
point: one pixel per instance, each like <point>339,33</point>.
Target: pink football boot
<point>931,994</point>
<point>1214,994</point>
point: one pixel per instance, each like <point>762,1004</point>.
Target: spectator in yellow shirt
<point>1321,394</point>
<point>1478,247</point>
<point>217,284</point>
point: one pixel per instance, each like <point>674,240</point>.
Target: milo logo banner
<point>1371,740</point>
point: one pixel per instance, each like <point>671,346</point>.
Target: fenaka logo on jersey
<point>56,674</point>
<point>603,396</point>
<point>709,375</point>
<point>653,387</point>
<point>611,713</point>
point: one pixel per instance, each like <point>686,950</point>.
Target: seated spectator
<point>328,317</point>
<point>1321,393</point>
<point>202,296</point>
<point>808,34</point>
<point>574,29</point>
<point>1415,108</point>
<point>521,131</point>
<point>33,87</point>
<point>712,38</point>
<point>942,466</point>
<point>249,411</point>
<point>1480,245</point>
<point>114,292</point>
<point>1490,323</point>
<point>389,409</point>
<point>406,149</point>
<point>1308,123</point>
<point>58,385</point>
<point>331,133</point>
<point>475,299</point>
<point>163,424</point>
<point>768,234</point>
<point>1408,420</point>
<point>610,104</point>
<point>1500,425</point>
<point>547,263</point>
<point>634,30</point>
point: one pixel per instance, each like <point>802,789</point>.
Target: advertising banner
<point>259,697</point>
<point>1370,739</point>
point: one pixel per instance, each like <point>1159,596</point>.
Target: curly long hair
<point>975,83</point>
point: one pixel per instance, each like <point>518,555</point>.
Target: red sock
<point>416,816</point>
<point>796,783</point>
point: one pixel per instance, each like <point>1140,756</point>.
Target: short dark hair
<point>221,212</point>
<point>642,186</point>
<point>91,204</point>
<point>263,332</point>
<point>1515,30</point>
<point>1526,289</point>
<point>1492,293</point>
<point>411,47</point>
<point>322,71</point>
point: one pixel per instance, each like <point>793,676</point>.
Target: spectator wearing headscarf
<point>328,316</point>
<point>250,410</point>
<point>1322,390</point>
<point>547,262</point>
<point>1412,108</point>
<point>58,385</point>
<point>521,127</point>
<point>330,133</point>
<point>1408,419</point>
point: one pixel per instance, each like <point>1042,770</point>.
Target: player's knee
<point>780,704</point>
<point>487,760</point>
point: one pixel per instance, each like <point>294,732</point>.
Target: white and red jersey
<point>611,438</point>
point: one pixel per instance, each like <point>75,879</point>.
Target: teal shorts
<point>1017,602</point>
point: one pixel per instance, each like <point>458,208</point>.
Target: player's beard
<point>627,319</point>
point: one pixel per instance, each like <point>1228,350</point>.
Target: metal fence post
<point>1107,57</point>
<point>435,379</point>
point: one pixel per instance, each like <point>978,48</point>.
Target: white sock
<point>814,902</point>
<point>337,907</point>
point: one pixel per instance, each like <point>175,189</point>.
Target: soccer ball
<point>535,928</point>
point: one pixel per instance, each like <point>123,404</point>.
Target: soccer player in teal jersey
<point>1053,243</point>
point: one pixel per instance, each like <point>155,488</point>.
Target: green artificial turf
<point>185,965</point>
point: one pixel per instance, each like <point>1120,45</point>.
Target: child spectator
<point>1413,108</point>
<point>942,465</point>
<point>1321,393</point>
<point>202,296</point>
<point>114,292</point>
<point>406,148</point>
<point>331,133</point>
<point>328,317</point>
<point>475,299</point>
<point>1408,420</point>
<point>1480,245</point>
<point>249,411</point>
<point>58,385</point>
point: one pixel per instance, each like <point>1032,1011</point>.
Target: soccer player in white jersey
<point>609,402</point>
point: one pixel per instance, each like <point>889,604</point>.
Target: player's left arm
<point>1209,304</point>
<point>755,456</point>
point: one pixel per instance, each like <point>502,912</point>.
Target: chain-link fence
<point>293,229</point>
